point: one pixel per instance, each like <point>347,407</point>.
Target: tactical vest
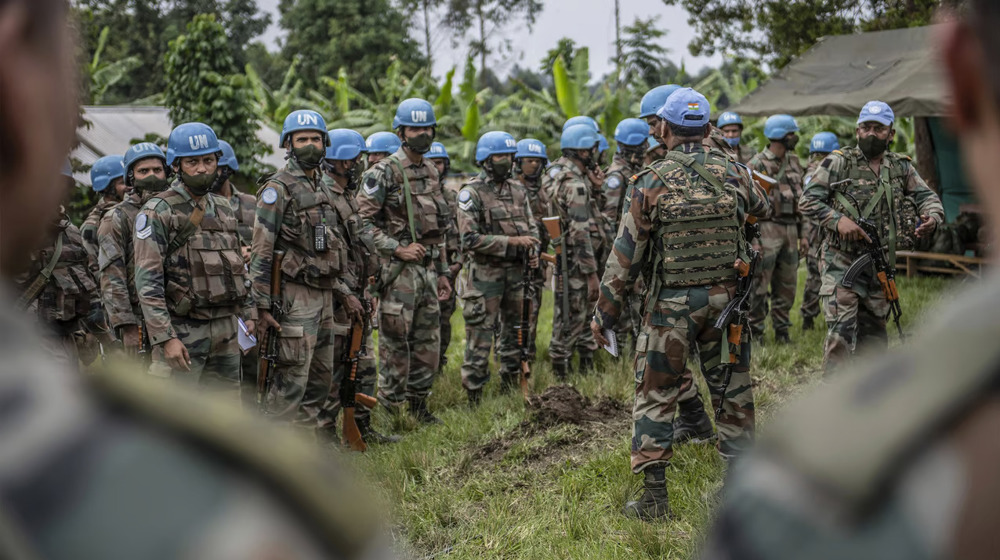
<point>364,261</point>
<point>428,219</point>
<point>205,276</point>
<point>501,215</point>
<point>696,222</point>
<point>317,223</point>
<point>556,178</point>
<point>783,200</point>
<point>68,294</point>
<point>245,207</point>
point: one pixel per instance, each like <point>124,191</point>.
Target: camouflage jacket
<point>70,300</point>
<point>568,191</point>
<point>453,241</point>
<point>382,203</point>
<point>897,182</point>
<point>653,238</point>
<point>362,257</point>
<point>91,224</point>
<point>245,207</point>
<point>539,203</point>
<point>201,278</point>
<point>788,172</point>
<point>615,186</point>
<point>490,214</point>
<point>809,229</point>
<point>116,261</point>
<point>293,211</point>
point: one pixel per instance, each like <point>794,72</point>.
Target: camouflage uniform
<point>539,203</point>
<point>70,301</point>
<point>568,191</point>
<point>88,230</point>
<point>779,242</point>
<point>453,247</point>
<point>857,316</point>
<point>616,184</point>
<point>245,207</point>
<point>602,228</point>
<point>192,291</point>
<point>692,281</point>
<point>293,210</point>
<point>813,234</point>
<point>409,315</point>
<point>488,216</point>
<point>897,461</point>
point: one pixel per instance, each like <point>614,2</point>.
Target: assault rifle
<point>349,396</point>
<point>269,346</point>
<point>524,327</point>
<point>553,226</point>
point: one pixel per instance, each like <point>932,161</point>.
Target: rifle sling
<point>189,229</point>
<point>43,277</point>
<point>407,196</point>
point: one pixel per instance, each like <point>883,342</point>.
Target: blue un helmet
<point>823,143</point>
<point>414,112</point>
<point>139,152</point>
<point>686,107</point>
<point>106,170</point>
<point>777,127</point>
<point>191,139</point>
<point>437,151</point>
<point>631,132</point>
<point>728,118</point>
<point>654,99</point>
<point>578,137</point>
<point>495,143</point>
<point>529,147</point>
<point>344,144</point>
<point>383,142</point>
<point>228,158</point>
<point>877,111</point>
<point>303,119</point>
<point>581,119</point>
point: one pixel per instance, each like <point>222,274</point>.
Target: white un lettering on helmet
<point>510,142</point>
<point>535,148</point>
<point>306,119</point>
<point>144,147</point>
<point>198,141</point>
<point>418,116</point>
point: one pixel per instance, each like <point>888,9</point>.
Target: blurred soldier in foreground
<point>530,159</point>
<point>900,459</point>
<point>685,223</point>
<point>731,126</point>
<point>107,178</point>
<point>113,470</point>
<point>820,146</point>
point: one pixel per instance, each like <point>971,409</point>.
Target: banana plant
<point>274,106</point>
<point>104,75</point>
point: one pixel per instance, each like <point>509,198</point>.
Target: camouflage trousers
<point>572,333</point>
<point>855,318</point>
<point>214,351</point>
<point>448,307</point>
<point>810,298</point>
<point>778,276</point>
<point>364,378</point>
<point>492,299</point>
<point>683,319</point>
<point>538,288</point>
<point>409,336</point>
<point>303,373</point>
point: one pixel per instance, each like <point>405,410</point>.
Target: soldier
<point>439,157</point>
<point>405,211</point>
<point>819,147</point>
<point>530,160</point>
<point>651,103</point>
<point>296,213</point>
<point>189,272</point>
<point>655,151</point>
<point>381,145</point>
<point>880,182</point>
<point>500,234</point>
<point>107,179</point>
<point>731,126</point>
<point>898,460</point>
<point>781,233</point>
<point>693,194</point>
<point>145,176</point>
<point>568,190</point>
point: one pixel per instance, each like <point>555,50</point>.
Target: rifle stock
<point>875,259</point>
<point>348,395</point>
<point>269,346</point>
<point>553,225</point>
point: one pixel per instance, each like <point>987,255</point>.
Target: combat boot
<point>559,369</point>
<point>586,365</point>
<point>654,502</point>
<point>475,397</point>
<point>781,337</point>
<point>418,408</point>
<point>370,435</point>
<point>692,423</point>
<point>808,323</point>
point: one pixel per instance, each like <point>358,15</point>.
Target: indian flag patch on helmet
<point>694,106</point>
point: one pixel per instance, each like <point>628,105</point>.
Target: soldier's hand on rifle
<point>354,308</point>
<point>525,241</point>
<point>927,226</point>
<point>593,288</point>
<point>176,354</point>
<point>264,321</point>
<point>849,230</point>
<point>533,260</point>
<point>803,245</point>
<point>411,253</point>
<point>596,176</point>
<point>444,288</point>
<point>130,339</point>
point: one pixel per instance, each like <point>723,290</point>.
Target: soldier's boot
<point>808,323</point>
<point>475,397</point>
<point>586,365</point>
<point>559,368</point>
<point>781,337</point>
<point>654,502</point>
<point>692,423</point>
<point>418,408</point>
<point>371,436</point>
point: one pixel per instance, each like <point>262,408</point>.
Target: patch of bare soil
<point>562,404</point>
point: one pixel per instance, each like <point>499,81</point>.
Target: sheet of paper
<point>246,338</point>
<point>612,345</point>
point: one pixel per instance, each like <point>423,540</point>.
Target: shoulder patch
<point>140,222</point>
<point>581,191</point>
<point>269,195</point>
<point>371,185</point>
<point>613,183</point>
<point>553,172</point>
<point>465,199</point>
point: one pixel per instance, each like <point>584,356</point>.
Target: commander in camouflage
<point>881,186</point>
<point>820,146</point>
<point>500,235</point>
<point>107,179</point>
<point>685,225</point>
<point>189,271</point>
<point>145,176</point>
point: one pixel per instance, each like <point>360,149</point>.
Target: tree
<point>775,31</point>
<point>102,74</point>
<point>566,49</point>
<point>643,59</point>
<point>424,7</point>
<point>489,17</point>
<point>362,36</point>
<point>202,85</point>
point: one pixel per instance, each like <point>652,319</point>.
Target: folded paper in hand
<point>246,338</point>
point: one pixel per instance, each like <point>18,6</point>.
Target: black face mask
<point>420,143</point>
<point>151,183</point>
<point>499,170</point>
<point>790,142</point>
<point>532,176</point>
<point>199,184</point>
<point>309,156</point>
<point>873,146</point>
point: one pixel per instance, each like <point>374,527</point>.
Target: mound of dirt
<point>562,404</point>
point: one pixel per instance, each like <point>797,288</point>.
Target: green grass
<point>484,485</point>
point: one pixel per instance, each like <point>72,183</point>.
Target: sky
<point>590,23</point>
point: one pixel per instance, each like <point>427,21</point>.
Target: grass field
<point>497,482</point>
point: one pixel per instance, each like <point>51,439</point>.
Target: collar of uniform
<point>690,148</point>
<point>768,154</point>
<point>186,195</point>
<point>407,162</point>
